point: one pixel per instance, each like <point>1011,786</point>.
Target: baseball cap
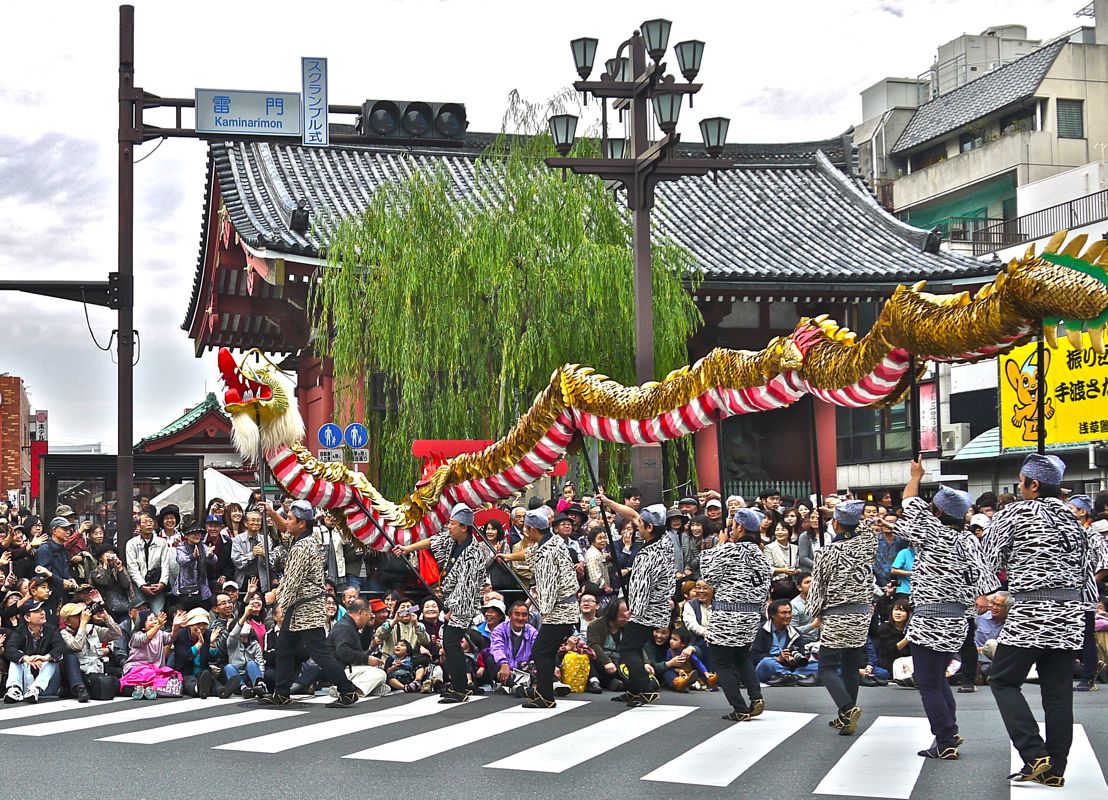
<point>213,518</point>
<point>71,609</point>
<point>230,584</point>
<point>36,606</point>
<point>61,522</point>
<point>713,503</point>
<point>497,604</point>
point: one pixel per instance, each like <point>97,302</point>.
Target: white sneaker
<point>32,695</point>
<point>14,695</point>
<point>503,689</point>
<point>333,692</point>
<point>561,689</point>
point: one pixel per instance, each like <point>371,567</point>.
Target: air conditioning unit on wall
<point>955,437</point>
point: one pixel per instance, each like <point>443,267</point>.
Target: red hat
<point>376,605</point>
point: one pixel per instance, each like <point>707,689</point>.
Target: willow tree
<point>467,300</point>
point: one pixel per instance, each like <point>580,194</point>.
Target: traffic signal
<point>401,119</point>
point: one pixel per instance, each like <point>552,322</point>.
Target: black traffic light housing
<point>404,119</point>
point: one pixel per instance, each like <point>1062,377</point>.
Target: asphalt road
<point>409,746</point>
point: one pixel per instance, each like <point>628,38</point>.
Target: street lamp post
<point>638,83</point>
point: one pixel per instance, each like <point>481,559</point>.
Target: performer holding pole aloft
<point>649,599</point>
<point>300,597</point>
<point>464,567</point>
<point>842,597</point>
<point>1041,545</point>
<point>948,576</point>
<point>555,592</point>
<point>739,572</point>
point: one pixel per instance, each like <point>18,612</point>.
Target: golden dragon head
<point>259,400</point>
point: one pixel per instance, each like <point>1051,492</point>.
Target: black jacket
<point>346,643</point>
<point>763,642</point>
<point>21,644</point>
<point>183,660</point>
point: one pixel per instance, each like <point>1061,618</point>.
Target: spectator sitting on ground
<point>364,670</point>
<point>494,615</point>
<point>403,676</point>
<point>804,622</point>
<point>892,645</point>
<point>696,616</point>
<point>510,648</point>
<point>33,651</point>
<point>192,651</point>
<point>244,662</point>
<point>86,634</point>
<point>145,670</point>
<point>989,626</point>
<point>692,673</point>
<point>404,626</point>
<point>779,650</point>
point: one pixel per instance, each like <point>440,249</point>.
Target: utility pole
<point>129,136</point>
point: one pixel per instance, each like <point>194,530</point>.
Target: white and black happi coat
<point>1043,547</point>
<point>463,575</point>
<point>949,571</point>
<point>653,580</point>
<point>555,581</point>
<point>740,574</point>
<point>843,576</point>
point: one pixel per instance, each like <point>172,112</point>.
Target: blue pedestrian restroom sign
<point>356,435</point>
<point>330,435</point>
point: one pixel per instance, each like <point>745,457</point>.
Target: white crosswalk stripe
<point>1084,779</point>
<point>567,751</point>
<point>727,755</point>
<point>339,726</point>
<point>145,711</point>
<point>882,762</point>
<point>201,727</point>
<point>43,707</point>
<point>431,743</point>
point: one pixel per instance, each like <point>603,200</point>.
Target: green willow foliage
<point>468,303</point>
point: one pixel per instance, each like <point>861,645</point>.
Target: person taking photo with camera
<point>87,631</point>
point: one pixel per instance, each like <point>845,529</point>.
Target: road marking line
<point>883,761</point>
<point>431,743</point>
<point>51,707</point>
<point>339,726</point>
<point>160,708</point>
<point>721,759</point>
<point>199,727</point>
<point>1084,778</point>
<point>567,751</point>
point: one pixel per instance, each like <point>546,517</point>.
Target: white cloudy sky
<point>783,72</point>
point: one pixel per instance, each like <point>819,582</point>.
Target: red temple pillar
<point>706,444</point>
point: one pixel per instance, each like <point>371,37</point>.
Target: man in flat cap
<point>463,562</point>
<point>300,597</point>
<point>948,577</point>
<point>1040,543</point>
<point>842,596</point>
<point>649,599</point>
<point>555,590</point>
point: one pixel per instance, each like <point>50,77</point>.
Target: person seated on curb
<point>510,646</point>
<point>779,651</point>
<point>404,626</point>
<point>33,651</point>
<point>364,670</point>
<point>191,654</point>
<point>244,662</point>
<point>86,634</point>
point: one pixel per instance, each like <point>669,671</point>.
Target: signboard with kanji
<point>1076,398</point>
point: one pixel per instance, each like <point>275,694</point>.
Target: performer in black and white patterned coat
<point>463,561</point>
<point>555,593</point>
<point>842,597</point>
<point>739,573</point>
<point>1045,552</point>
<point>649,599</point>
<point>948,576</point>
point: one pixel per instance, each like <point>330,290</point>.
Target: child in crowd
<point>402,673</point>
<point>693,675</point>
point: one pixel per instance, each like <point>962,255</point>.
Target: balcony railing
<point>1039,224</point>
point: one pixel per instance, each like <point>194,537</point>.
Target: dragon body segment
<point>1061,290</point>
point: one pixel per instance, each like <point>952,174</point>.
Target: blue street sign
<point>330,435</point>
<point>356,435</point>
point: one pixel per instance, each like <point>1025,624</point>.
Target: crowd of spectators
<point>182,611</point>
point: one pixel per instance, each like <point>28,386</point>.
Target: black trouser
<point>456,674</point>
<point>1088,649</point>
<point>967,654</point>
<point>1010,668</point>
<point>294,647</point>
<point>635,636</point>
<point>842,684</point>
<point>733,666</point>
<point>545,650</point>
<point>929,671</point>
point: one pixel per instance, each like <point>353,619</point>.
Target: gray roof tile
<point>991,92</point>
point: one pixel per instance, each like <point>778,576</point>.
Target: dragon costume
<point>1064,288</point>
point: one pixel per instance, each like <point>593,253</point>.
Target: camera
<point>95,608</point>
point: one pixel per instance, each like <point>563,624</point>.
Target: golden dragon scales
<point>1064,288</point>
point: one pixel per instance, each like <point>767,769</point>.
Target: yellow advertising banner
<point>1076,399</point>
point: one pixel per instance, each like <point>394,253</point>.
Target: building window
<point>928,157</point>
<point>1071,119</point>
<point>1018,122</point>
<point>867,435</point>
<point>971,141</point>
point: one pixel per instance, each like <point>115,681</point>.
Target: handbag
<point>102,686</point>
<point>429,568</point>
<point>174,687</point>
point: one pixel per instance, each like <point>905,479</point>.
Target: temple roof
<point>194,415</point>
<point>787,216</point>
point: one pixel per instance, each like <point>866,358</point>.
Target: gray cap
<point>61,522</point>
<point>302,509</point>
<point>462,513</point>
<point>849,512</point>
<point>1044,469</point>
<point>654,515</point>
<point>952,502</point>
<point>536,519</point>
<point>749,518</point>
